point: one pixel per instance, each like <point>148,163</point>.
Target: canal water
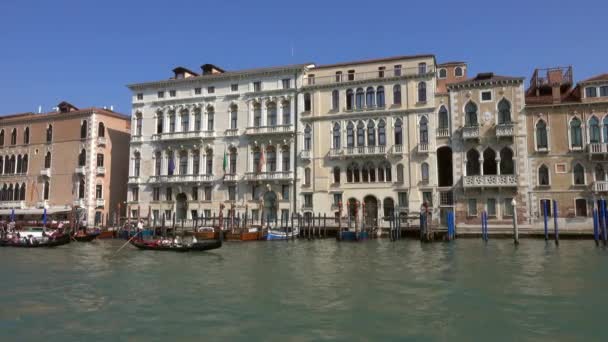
<point>304,291</point>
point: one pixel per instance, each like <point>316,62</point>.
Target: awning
<point>36,211</point>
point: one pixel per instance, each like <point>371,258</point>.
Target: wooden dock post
<point>515,227</point>
<point>555,217</point>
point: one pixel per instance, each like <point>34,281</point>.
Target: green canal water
<point>305,291</point>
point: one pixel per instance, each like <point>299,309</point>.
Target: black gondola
<point>85,238</point>
<point>53,242</point>
<point>198,246</point>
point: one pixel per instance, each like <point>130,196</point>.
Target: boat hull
<point>199,246</point>
<point>59,241</point>
<point>353,236</point>
<point>279,235</point>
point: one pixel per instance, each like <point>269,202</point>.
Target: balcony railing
<point>397,149</point>
<point>101,141</point>
<point>137,138</point>
<point>45,172</point>
<point>101,170</point>
<point>183,135</point>
<point>335,152</point>
<point>100,202</point>
<point>79,170</point>
<point>12,205</point>
<point>42,204</point>
<point>79,202</point>
<point>134,179</point>
<point>365,150</point>
<point>232,132</point>
<point>443,132</point>
<point>181,178</point>
<point>371,75</point>
<point>505,130</point>
<point>600,186</point>
<point>271,175</point>
<point>305,154</point>
<point>423,147</point>
<point>490,181</point>
<point>598,148</point>
<point>270,129</point>
<point>470,132</point>
<point>231,177</point>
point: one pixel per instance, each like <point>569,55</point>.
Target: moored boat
<point>171,245</point>
<point>35,242</point>
<point>281,235</point>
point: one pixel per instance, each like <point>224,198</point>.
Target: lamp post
<point>515,228</point>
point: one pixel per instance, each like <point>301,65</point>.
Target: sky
<point>86,52</point>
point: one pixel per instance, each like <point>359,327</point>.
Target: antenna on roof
<point>292,50</point>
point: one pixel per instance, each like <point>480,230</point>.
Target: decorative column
<point>498,166</point>
<point>481,166</point>
<point>190,162</point>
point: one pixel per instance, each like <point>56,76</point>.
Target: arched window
<point>576,136</point>
<point>185,121</point>
<point>257,115</point>
<point>336,136</point>
<point>49,134</point>
<point>389,207</point>
<point>234,115</point>
<point>458,72</point>
<point>365,173</point>
<point>183,162</point>
<point>307,176</point>
<point>83,129</point>
<point>370,97</point>
<point>307,138</point>
<point>381,133</point>
<point>157,163</point>
<point>400,173</point>
<point>600,174</point>
<point>336,172</point>
<point>422,92</point>
<point>443,118</point>
<point>14,137</point>
<point>17,192</point>
<point>470,119</point>
<point>543,175</point>
<point>398,132</point>
<point>170,163</point>
<point>349,99</point>
<point>579,174</point>
<point>210,118</point>
<point>424,171</point>
<point>504,112</point>
<point>541,135</point>
<point>594,130</point>
<point>26,135</point>
<point>350,135</point>
<point>489,162</point>
<point>46,191</point>
<point>473,167</point>
<point>2,137</point>
<point>271,114</point>
<point>356,174</point>
<point>371,133</point>
<point>18,164</point>
<point>138,123</point>
<point>335,100</point>
<point>1,165</point>
<point>506,162</point>
<point>22,193</point>
<point>397,94</point>
<point>24,163</point>
<point>381,172</point>
<point>286,113</point>
<point>605,122</point>
<point>9,192</point>
<point>47,160</point>
<point>81,188</point>
<point>171,122</point>
<point>443,73</point>
<point>209,161</point>
<point>257,160</point>
<point>101,130</point>
<point>424,130</point>
<point>349,174</point>
<point>12,165</point>
<point>372,171</point>
<point>82,158</point>
<point>271,159</point>
<point>360,98</point>
<point>196,162</point>
<point>360,134</point>
<point>307,102</point>
<point>380,96</point>
<point>285,159</point>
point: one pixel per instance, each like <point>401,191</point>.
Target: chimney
<point>555,79</point>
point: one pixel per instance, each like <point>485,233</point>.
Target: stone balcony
<point>443,132</point>
<point>277,129</point>
<point>270,175</point>
<point>181,179</point>
<point>12,205</point>
<point>600,186</point>
<point>396,149</point>
<point>598,148</point>
<point>45,172</point>
<point>231,177</point>
<point>305,154</point>
<point>183,135</point>
<point>470,133</point>
<point>490,181</point>
<point>423,147</point>
<point>505,130</point>
<point>232,132</point>
<point>359,151</point>
<point>100,202</point>
<point>42,204</point>
<point>101,170</point>
<point>136,139</point>
<point>80,170</point>
<point>78,203</point>
<point>101,141</point>
<point>134,180</point>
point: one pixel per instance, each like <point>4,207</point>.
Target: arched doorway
<point>270,206</point>
<point>444,166</point>
<point>181,206</point>
<point>371,211</point>
<point>389,208</point>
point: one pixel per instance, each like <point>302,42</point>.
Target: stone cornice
<point>254,94</point>
<point>349,84</point>
<point>365,114</point>
<point>484,83</point>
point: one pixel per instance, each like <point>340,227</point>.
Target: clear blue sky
<point>85,51</point>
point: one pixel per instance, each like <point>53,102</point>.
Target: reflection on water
<point>307,290</point>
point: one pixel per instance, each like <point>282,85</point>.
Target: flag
<point>225,162</point>
<point>261,160</point>
<point>171,166</point>
<point>44,217</point>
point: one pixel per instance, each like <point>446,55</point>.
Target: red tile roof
<point>601,77</point>
<point>374,60</point>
